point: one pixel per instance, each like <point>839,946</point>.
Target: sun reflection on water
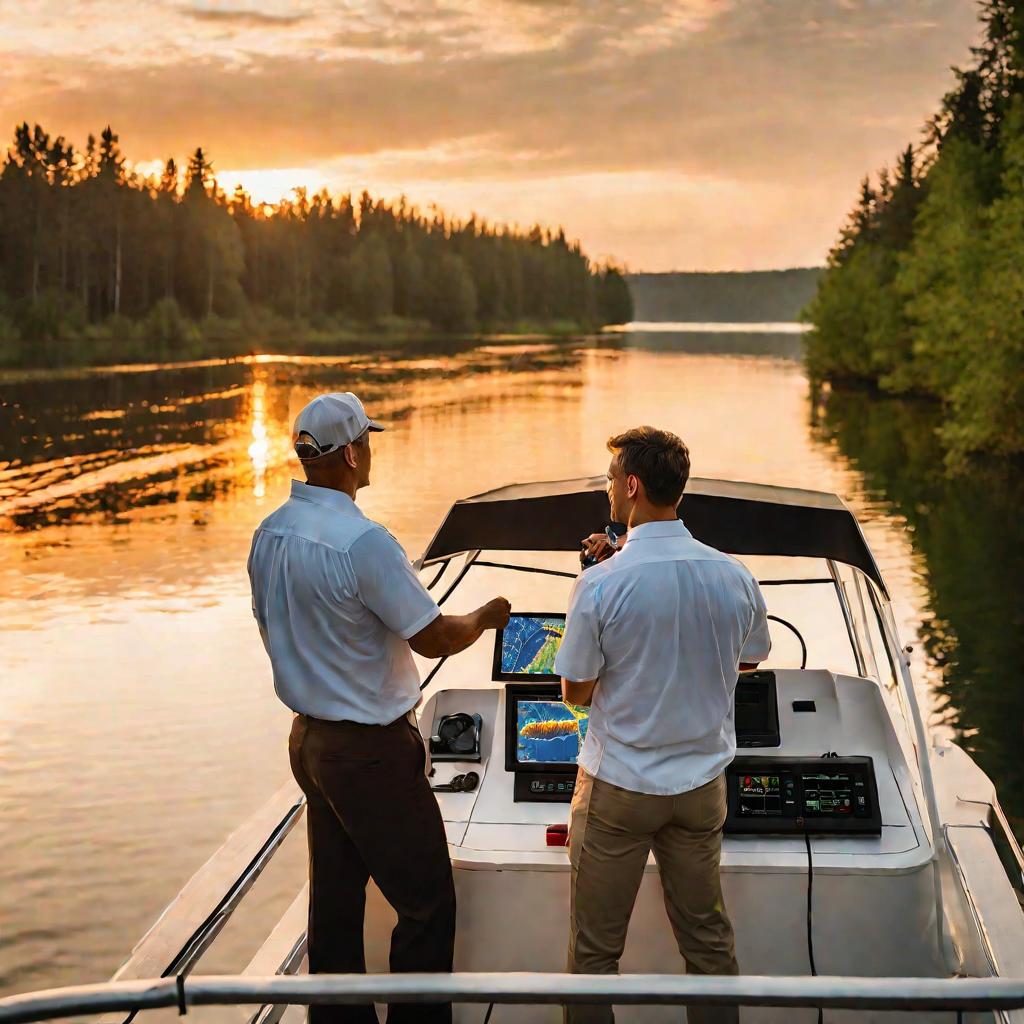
<point>259,449</point>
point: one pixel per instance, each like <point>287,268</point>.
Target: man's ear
<point>350,456</point>
<point>632,485</point>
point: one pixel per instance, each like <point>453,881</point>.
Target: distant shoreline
<point>20,358</point>
<point>268,350</point>
<point>756,296</point>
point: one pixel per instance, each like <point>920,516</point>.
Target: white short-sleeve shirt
<point>336,600</point>
<point>662,626</point>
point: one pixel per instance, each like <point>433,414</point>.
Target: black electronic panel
<point>790,796</point>
<point>757,710</point>
<point>543,739</point>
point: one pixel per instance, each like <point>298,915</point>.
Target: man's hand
<point>495,614</point>
<point>596,546</point>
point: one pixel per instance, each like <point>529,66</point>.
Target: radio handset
<point>614,531</point>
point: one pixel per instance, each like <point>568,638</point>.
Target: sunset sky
<point>684,134</point>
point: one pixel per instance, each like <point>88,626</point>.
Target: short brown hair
<point>658,458</point>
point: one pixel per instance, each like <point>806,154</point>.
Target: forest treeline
<point>924,290</point>
<point>99,263</point>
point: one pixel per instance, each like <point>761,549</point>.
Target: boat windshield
<point>822,616</point>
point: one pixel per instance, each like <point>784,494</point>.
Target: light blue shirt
<point>336,599</point>
<point>662,626</point>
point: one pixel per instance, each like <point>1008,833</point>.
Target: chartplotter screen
<point>549,732</point>
<point>525,649</point>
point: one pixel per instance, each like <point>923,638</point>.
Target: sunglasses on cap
<point>307,448</point>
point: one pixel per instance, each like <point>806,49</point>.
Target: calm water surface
<point>139,726</point>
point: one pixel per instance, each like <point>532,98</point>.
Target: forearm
<point>461,631</point>
<point>448,635</point>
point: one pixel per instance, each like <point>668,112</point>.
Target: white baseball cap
<point>330,421</point>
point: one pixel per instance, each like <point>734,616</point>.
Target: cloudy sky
<point>668,134</point>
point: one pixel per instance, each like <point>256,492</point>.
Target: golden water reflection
<point>259,449</point>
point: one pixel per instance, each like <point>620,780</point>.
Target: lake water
<point>138,725</point>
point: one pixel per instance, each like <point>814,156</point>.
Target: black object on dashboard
<point>457,738</point>
<point>757,710</point>
<point>459,784</point>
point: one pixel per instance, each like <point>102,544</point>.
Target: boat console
<point>785,790</point>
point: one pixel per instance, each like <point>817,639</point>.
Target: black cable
<point>433,672</point>
<point>810,915</point>
<point>796,633</point>
<point>490,1009</point>
<point>526,568</point>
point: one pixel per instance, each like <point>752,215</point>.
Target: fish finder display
<point>760,795</point>
<point>828,794</point>
<point>549,732</point>
<point>787,796</point>
<point>526,647</point>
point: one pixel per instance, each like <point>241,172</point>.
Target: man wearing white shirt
<point>340,611</point>
<point>655,638</point>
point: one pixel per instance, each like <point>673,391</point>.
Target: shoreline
<point>256,348</point>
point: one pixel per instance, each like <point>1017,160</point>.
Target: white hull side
<point>516,920</point>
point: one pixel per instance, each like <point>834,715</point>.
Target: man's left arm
<point>758,642</point>
<point>579,660</point>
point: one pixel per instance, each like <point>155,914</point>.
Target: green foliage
<point>924,290</point>
<point>614,301</point>
<point>453,294</point>
<point>968,531</point>
<point>84,239</point>
<point>168,328</point>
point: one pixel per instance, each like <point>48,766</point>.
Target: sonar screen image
<point>530,643</point>
<point>550,732</point>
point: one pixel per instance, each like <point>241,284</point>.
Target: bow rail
<point>904,994</point>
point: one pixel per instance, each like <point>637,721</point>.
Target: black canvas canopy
<point>740,518</point>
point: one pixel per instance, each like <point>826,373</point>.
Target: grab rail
<point>908,994</point>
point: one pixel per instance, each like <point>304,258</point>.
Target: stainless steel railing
<point>906,994</point>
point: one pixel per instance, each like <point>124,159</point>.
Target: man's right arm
<point>388,586</point>
<point>449,634</point>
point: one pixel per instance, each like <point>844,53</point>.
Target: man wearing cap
<point>340,611</point>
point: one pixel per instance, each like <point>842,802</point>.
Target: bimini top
<point>740,518</point>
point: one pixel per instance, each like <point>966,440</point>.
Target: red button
<point>557,835</point>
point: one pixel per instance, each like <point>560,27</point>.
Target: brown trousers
<point>370,813</point>
<point>611,832</point>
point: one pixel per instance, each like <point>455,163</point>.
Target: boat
<point>858,847</point>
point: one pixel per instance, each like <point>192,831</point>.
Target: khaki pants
<point>611,832</point>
